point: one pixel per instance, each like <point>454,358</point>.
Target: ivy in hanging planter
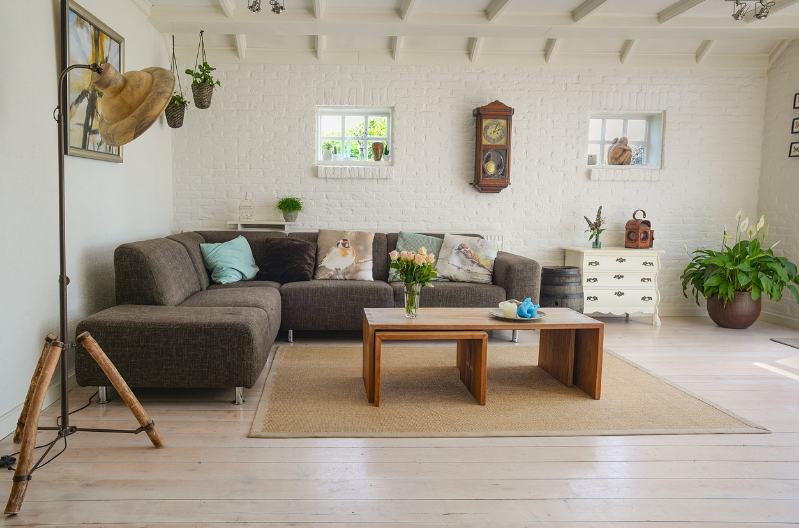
<point>202,84</point>
<point>175,110</point>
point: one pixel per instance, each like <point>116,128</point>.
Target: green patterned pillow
<point>412,242</point>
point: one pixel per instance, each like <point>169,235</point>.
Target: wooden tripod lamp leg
<point>121,387</point>
<point>29,431</point>
<point>23,416</point>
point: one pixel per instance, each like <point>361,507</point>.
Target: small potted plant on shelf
<point>202,84</point>
<point>175,110</point>
<point>290,207</point>
<point>415,270</point>
<point>735,278</point>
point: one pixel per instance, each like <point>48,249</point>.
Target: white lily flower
<point>744,225</point>
<point>761,222</point>
<point>739,215</point>
<point>752,231</point>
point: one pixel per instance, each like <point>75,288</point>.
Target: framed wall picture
<point>795,126</point>
<point>88,40</point>
<point>794,151</point>
<point>796,101</point>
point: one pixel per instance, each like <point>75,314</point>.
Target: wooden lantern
<point>638,233</point>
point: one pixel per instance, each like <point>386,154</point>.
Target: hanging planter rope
<point>202,87</point>
<point>175,111</point>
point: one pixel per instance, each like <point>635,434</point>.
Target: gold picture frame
<point>88,40</point>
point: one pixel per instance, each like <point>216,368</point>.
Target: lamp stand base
<point>28,424</point>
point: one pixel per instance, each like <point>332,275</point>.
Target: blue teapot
<point>528,310</point>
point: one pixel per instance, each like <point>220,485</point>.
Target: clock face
<point>494,164</point>
<point>495,131</point>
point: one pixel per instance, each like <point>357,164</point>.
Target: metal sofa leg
<point>291,336</point>
<point>102,394</point>
<point>514,336</point>
<point>239,396</point>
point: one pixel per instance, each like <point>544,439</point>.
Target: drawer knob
<point>619,294</point>
<point>593,263</point>
<point>591,279</point>
<point>646,298</point>
<point>620,277</point>
<point>646,279</point>
<point>647,263</point>
<point>621,259</point>
<point>592,298</point>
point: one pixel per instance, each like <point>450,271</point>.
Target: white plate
<point>499,314</point>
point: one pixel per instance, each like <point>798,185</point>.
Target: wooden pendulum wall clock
<point>492,152</point>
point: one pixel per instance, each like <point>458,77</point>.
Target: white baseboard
<point>781,320</point>
<point>8,422</point>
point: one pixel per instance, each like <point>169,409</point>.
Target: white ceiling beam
<point>396,48</point>
<point>704,50</point>
<point>145,5</point>
<point>496,8</point>
<point>549,49</point>
<point>677,9</point>
<point>321,44</point>
<point>318,9</point>
<point>627,50</point>
<point>229,7</point>
<point>241,45</point>
<point>586,8</point>
<point>778,49</point>
<point>474,48</point>
<point>407,7</point>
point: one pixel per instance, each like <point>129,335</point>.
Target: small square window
<point>644,133</point>
<point>346,134</point>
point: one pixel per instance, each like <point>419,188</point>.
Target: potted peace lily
<point>415,270</point>
<point>735,278</point>
<point>290,207</point>
<point>175,110</point>
<point>202,84</point>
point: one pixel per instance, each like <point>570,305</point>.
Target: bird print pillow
<point>467,259</point>
<point>344,255</point>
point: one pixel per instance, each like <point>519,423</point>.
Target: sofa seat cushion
<point>331,305</point>
<point>245,284</point>
<point>453,295</point>
<point>267,299</point>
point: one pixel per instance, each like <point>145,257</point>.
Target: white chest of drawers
<point>618,280</point>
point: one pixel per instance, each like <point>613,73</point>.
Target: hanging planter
<point>176,108</point>
<point>202,85</point>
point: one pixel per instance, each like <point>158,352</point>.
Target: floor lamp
<point>131,103</point>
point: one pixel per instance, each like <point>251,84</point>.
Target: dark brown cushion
<point>285,260</point>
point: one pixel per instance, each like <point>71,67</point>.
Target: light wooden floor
<point>210,473</point>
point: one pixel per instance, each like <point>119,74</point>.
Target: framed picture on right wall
<point>796,101</point>
<point>794,151</point>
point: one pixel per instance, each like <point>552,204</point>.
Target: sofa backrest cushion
<point>286,260</point>
<point>191,241</point>
<point>379,265</point>
<point>157,271</point>
<point>257,240</point>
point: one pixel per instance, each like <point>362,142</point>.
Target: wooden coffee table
<point>570,348</point>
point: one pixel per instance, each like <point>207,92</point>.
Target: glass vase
<point>412,291</point>
<point>596,244</point>
<point>246,208</point>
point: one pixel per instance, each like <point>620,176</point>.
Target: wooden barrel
<point>562,287</point>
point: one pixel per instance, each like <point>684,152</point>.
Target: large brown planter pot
<point>741,312</point>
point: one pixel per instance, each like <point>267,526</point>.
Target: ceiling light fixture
<point>277,6</point>
<point>741,9</point>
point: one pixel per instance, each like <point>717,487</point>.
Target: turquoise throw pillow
<point>412,242</point>
<point>229,261</point>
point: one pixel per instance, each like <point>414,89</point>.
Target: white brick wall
<point>258,136</point>
<point>779,183</point>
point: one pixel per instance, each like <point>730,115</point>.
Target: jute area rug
<point>315,391</point>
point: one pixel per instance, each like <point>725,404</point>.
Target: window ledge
<point>624,172</point>
<point>371,170</point>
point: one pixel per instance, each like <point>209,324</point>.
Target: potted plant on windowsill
<point>175,110</point>
<point>290,207</point>
<point>734,279</point>
<point>202,84</point>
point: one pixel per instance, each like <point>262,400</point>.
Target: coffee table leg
<point>472,364</point>
<point>368,360</point>
<point>556,354</point>
<point>378,352</point>
<point>588,352</point>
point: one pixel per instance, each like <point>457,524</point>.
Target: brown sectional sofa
<point>173,328</point>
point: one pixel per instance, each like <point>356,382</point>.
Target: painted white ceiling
<point>653,33</point>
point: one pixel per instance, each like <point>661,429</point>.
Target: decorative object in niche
<point>290,207</point>
<point>592,159</point>
<point>795,126</point>
<point>620,153</point>
<point>595,228</point>
<point>89,41</point>
<point>794,151</point>
<point>639,233</point>
<point>377,151</point>
<point>202,84</point>
<point>493,146</point>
